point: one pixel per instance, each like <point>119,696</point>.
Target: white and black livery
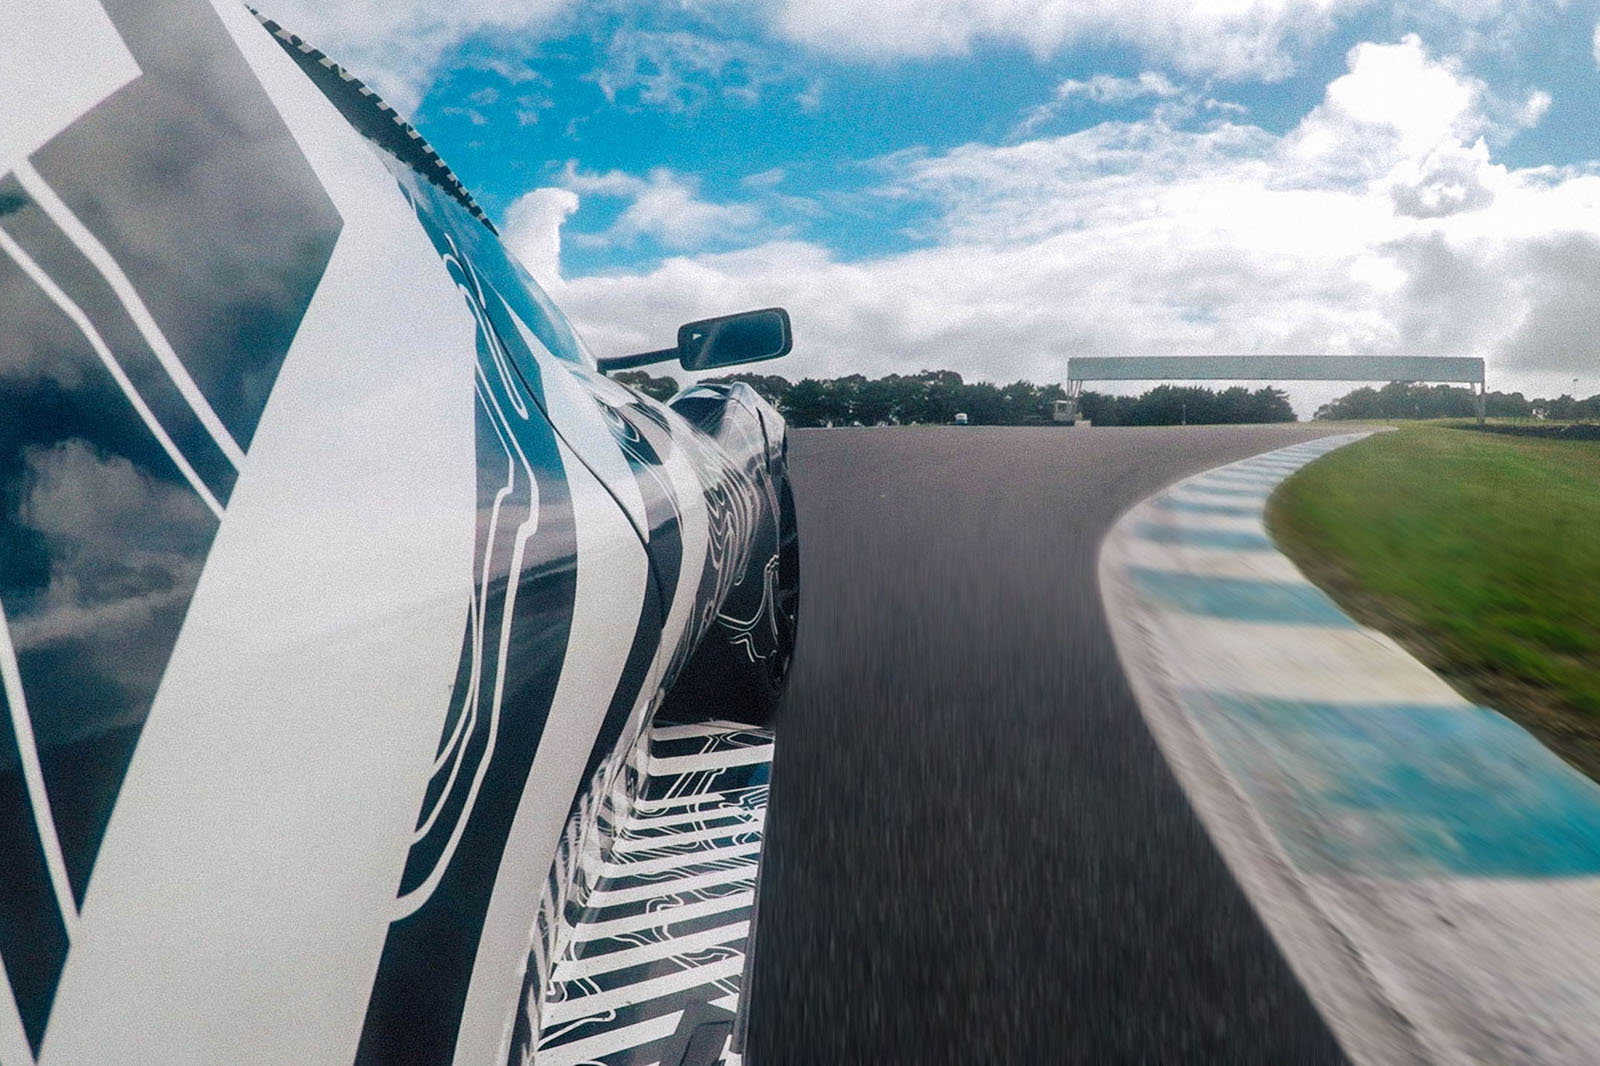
<point>382,683</point>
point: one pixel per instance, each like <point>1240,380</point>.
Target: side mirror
<point>733,339</point>
<point>748,337</point>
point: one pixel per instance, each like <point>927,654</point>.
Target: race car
<point>382,681</point>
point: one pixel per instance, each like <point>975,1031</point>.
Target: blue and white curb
<point>1431,871</point>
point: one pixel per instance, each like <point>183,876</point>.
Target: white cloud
<point>764,179</point>
<point>1395,102</point>
<point>1535,109</point>
<point>1105,89</point>
<point>1232,38</point>
<point>471,114</point>
<point>1399,88</point>
<point>1405,124</point>
<point>1449,179</point>
<point>396,45</point>
<point>532,230</point>
<point>1102,89</point>
<point>810,99</point>
<point>676,70</point>
<point>84,504</point>
<point>665,207</point>
<point>1597,44</point>
<point>1381,224</point>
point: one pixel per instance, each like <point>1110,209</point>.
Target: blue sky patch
<point>994,187</point>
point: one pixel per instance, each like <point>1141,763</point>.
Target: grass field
<point>1479,553</point>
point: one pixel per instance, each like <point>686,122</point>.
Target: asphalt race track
<point>975,851</point>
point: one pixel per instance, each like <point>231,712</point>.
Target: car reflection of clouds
<point>224,226</point>
<point>28,316</point>
<point>124,548</point>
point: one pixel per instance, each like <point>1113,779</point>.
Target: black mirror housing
<point>748,337</point>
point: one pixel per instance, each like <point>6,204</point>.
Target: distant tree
<point>935,396</point>
<point>808,403</point>
<point>983,404</point>
<point>1022,403</point>
<point>662,388</point>
<point>1169,405</point>
<point>1161,406</point>
<point>1407,400</point>
<point>1507,405</point>
<point>842,394</point>
<point>1100,409</point>
<point>1362,403</point>
<point>1563,408</point>
<point>1270,405</point>
<point>907,397</point>
<point>1042,402</point>
<point>874,403</point>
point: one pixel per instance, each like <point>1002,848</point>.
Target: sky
<point>993,186</point>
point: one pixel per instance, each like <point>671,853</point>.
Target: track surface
<point>975,851</point>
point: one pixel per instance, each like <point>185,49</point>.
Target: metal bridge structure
<point>1386,368</point>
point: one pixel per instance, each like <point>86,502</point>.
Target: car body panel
<point>337,585</point>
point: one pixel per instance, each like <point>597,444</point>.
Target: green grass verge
<point>1479,553</point>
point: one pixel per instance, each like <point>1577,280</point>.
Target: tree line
<point>937,396</point>
<point>1171,405</point>
<point>1403,400</point>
